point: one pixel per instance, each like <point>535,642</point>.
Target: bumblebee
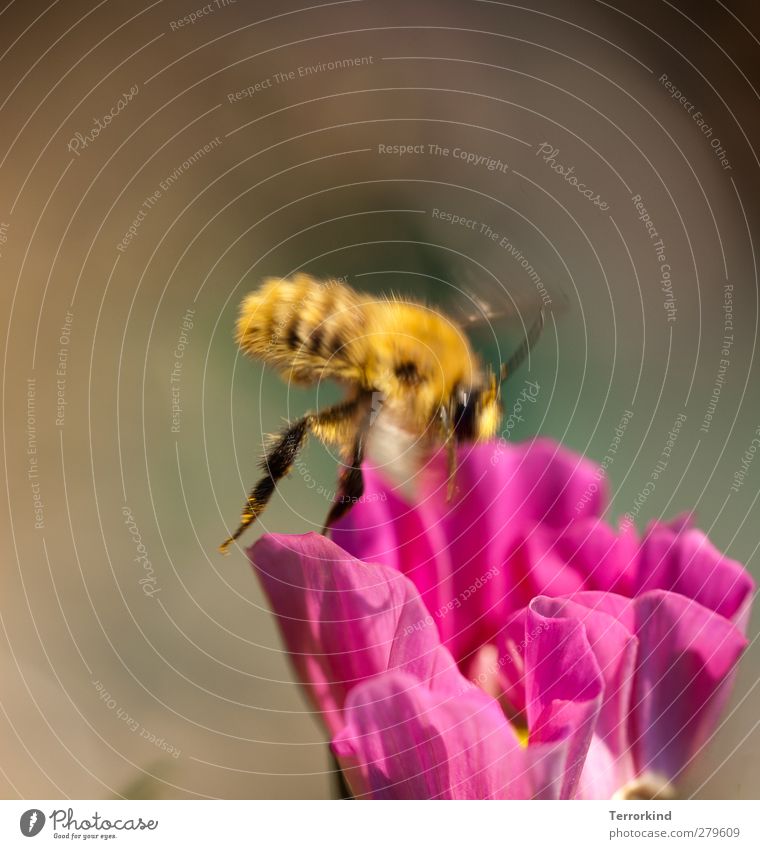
<point>404,364</point>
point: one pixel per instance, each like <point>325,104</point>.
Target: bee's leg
<point>351,486</point>
<point>449,437</point>
<point>330,425</point>
<point>337,425</point>
<point>276,463</point>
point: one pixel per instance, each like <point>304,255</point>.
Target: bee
<point>401,362</point>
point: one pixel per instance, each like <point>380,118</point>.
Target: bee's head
<point>477,411</point>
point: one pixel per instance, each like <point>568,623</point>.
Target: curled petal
<point>686,655</point>
<point>564,689</point>
<point>682,559</point>
<point>687,658</point>
<point>615,648</point>
<point>546,676</point>
<point>600,555</point>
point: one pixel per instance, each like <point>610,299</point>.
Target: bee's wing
<point>515,318</point>
<point>480,305</point>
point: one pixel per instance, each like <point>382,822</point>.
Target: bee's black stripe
<point>407,372</point>
<point>292,337</point>
<point>315,339</point>
<point>317,335</point>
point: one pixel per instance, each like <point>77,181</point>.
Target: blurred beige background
<point>130,426</point>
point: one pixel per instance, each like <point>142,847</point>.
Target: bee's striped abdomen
<point>302,326</point>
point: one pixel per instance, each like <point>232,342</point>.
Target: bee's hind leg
<point>351,490</point>
<point>276,463</point>
<point>332,424</point>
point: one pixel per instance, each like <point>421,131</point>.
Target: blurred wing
<point>476,306</point>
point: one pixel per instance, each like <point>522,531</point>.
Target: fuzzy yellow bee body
<point>399,360</point>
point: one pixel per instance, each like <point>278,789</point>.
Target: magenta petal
<point>384,528</point>
<point>344,621</point>
<point>541,480</point>
<point>682,559</point>
<point>615,649</point>
<point>687,656</point>
<point>603,557</point>
<point>564,689</point>
<point>685,659</point>
<point>616,606</point>
<point>408,741</point>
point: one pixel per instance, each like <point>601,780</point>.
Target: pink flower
<point>508,644</point>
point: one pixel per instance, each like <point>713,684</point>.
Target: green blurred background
<point>107,690</point>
